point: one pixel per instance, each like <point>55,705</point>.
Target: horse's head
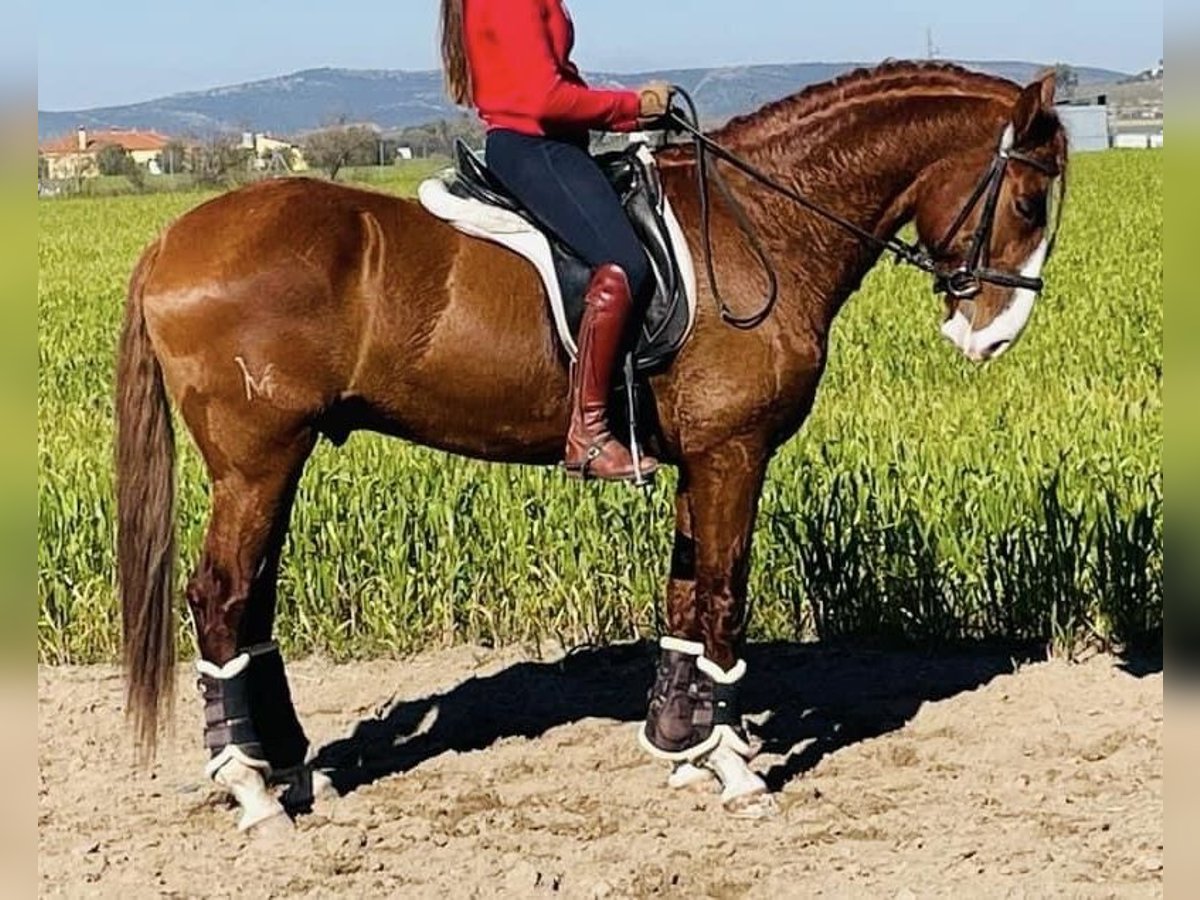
<point>997,223</point>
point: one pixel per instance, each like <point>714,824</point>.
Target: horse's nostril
<point>995,349</point>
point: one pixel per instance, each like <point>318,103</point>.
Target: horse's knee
<point>683,619</point>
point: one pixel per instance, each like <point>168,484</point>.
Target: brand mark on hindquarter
<point>263,386</point>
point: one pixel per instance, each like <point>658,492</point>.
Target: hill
<point>392,98</point>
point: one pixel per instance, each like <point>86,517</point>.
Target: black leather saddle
<point>665,322</point>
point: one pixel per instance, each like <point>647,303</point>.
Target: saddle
<point>472,199</point>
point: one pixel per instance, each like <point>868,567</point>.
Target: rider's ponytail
<point>454,53</point>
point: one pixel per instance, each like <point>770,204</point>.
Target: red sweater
<point>522,77</point>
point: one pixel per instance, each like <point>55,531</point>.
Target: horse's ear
<point>1036,98</point>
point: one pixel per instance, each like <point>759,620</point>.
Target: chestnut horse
<point>296,308</point>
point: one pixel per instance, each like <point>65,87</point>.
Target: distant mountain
<point>393,99</point>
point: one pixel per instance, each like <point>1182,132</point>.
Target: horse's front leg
<point>669,731</point>
<point>694,718</point>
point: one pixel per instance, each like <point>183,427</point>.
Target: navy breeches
<point>564,189</point>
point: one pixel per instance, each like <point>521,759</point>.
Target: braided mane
<point>892,76</point>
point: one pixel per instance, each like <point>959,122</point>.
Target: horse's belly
<point>502,421</point>
<point>486,380</point>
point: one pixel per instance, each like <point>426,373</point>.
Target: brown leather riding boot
<point>592,451</point>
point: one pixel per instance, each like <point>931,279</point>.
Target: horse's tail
<point>145,462</point>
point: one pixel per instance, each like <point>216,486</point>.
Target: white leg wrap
<point>686,775</point>
<point>233,753</point>
<point>744,794</point>
<point>243,778</point>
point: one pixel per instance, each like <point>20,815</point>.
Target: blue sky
<point>95,53</point>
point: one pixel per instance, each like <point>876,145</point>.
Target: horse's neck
<point>867,165</point>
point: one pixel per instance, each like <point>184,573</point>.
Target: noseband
<point>962,283</point>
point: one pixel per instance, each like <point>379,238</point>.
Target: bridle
<point>965,282</point>
<point>961,283</point>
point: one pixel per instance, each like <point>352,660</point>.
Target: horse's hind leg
<point>280,733</point>
<point>251,728</point>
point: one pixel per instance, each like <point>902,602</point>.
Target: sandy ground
<point>471,772</point>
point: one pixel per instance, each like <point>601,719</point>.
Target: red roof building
<point>73,155</point>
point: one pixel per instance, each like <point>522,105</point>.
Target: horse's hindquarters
<point>369,312</point>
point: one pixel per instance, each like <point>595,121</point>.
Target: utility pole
<point>931,50</point>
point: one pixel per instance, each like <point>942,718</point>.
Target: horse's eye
<point>1032,209</point>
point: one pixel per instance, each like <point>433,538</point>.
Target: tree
<point>173,158</point>
<point>221,160</point>
<point>136,174</point>
<point>341,145</point>
<point>438,137</point>
<point>113,160</point>
<point>1066,80</point>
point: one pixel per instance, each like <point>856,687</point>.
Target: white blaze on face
<point>1003,331</point>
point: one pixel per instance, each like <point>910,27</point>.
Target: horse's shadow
<point>819,699</point>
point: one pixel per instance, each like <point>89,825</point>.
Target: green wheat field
<point>926,500</point>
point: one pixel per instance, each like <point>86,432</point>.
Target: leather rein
<point>961,283</point>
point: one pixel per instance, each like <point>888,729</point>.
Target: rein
<point>962,283</point>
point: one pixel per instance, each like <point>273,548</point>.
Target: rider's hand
<point>654,99</point>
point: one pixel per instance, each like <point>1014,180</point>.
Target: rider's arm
<point>516,35</point>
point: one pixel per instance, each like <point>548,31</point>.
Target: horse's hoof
<point>301,786</point>
<point>322,785</point>
<point>687,775</point>
<point>759,805</point>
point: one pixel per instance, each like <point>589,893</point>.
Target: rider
<point>510,59</point>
